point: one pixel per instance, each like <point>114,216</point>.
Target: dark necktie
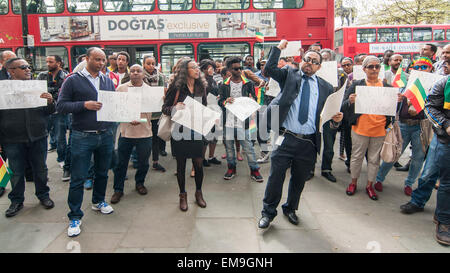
<point>304,101</point>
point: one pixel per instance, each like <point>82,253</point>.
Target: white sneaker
<point>264,157</point>
<point>74,228</point>
<point>103,207</point>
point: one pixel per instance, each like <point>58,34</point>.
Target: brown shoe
<point>183,201</point>
<point>116,197</point>
<point>199,199</point>
<point>141,189</point>
<point>443,234</point>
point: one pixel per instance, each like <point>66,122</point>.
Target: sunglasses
<point>313,61</point>
<point>373,66</point>
<point>421,67</point>
<point>237,68</point>
<point>23,67</point>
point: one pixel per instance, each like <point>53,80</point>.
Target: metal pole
<point>23,7</point>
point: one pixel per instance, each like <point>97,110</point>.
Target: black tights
<point>181,173</point>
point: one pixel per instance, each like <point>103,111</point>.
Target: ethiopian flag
<point>260,95</point>
<point>4,173</point>
<point>400,78</point>
<point>417,95</point>
<point>447,95</point>
<point>259,37</point>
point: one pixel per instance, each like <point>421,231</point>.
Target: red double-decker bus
<point>375,40</point>
<point>168,29</point>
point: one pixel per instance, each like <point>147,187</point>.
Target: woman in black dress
<point>187,81</point>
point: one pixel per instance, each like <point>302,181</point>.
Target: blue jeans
<point>143,150</point>
<point>427,180</point>
<point>51,128</point>
<point>300,156</point>
<point>443,195</point>
<point>18,155</point>
<point>84,145</point>
<point>409,134</point>
<point>243,136</point>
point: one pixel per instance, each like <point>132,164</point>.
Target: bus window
<point>40,6</point>
<point>258,47</point>
<point>175,4</point>
<point>40,53</point>
<point>226,4</point>
<point>339,38</point>
<point>387,35</point>
<point>438,34</point>
<point>366,35</point>
<point>77,51</point>
<point>83,5</point>
<point>128,5</point>
<point>4,8</point>
<point>406,60</point>
<point>278,4</point>
<point>219,50</point>
<point>422,34</point>
<point>448,34</point>
<point>405,34</point>
<point>170,53</point>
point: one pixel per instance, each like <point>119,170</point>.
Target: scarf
<point>447,95</point>
<point>151,79</point>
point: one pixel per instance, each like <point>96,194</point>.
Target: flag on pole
<point>4,173</point>
<point>417,95</point>
<point>259,92</point>
<point>400,78</point>
<point>259,37</point>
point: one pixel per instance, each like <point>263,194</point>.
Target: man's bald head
<point>6,55</point>
<point>95,59</point>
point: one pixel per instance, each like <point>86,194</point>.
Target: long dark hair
<point>181,77</point>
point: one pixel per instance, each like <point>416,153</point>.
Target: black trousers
<point>300,155</point>
<point>329,137</point>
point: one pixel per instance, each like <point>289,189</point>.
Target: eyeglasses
<point>421,67</point>
<point>373,66</point>
<point>194,67</point>
<point>237,68</point>
<point>23,67</point>
<point>313,61</point>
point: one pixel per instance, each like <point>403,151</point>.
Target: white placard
<point>17,94</point>
<point>196,116</point>
<point>332,106</point>
<point>152,97</point>
<point>119,106</point>
<point>273,88</point>
<point>211,100</point>
<point>328,71</point>
<point>359,74</point>
<point>292,49</point>
<point>376,100</point>
<point>426,79</point>
<point>243,107</point>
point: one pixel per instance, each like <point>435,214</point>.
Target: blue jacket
<point>77,89</point>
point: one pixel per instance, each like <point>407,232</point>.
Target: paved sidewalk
<point>330,221</point>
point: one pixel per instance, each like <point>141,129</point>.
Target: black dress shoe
<point>410,208</point>
<point>206,163</point>
<point>329,176</point>
<point>47,203</point>
<point>163,153</point>
<point>2,191</point>
<point>292,217</point>
<point>404,168</point>
<point>264,222</point>
<point>13,209</point>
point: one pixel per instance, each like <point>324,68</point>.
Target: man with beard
<point>395,61</point>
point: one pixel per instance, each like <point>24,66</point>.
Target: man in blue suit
<point>299,103</point>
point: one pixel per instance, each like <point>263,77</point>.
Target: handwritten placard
<point>292,49</point>
<point>119,106</point>
<point>332,106</point>
<point>426,79</point>
<point>376,100</point>
<point>328,72</point>
<point>22,94</point>
<point>243,107</point>
<point>151,97</point>
<point>273,88</point>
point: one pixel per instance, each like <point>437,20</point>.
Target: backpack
<point>393,143</point>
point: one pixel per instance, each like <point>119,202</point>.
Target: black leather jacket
<point>434,110</point>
